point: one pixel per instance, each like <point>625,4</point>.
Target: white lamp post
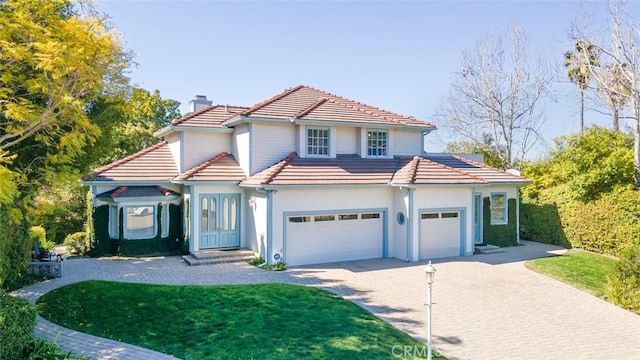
<point>430,272</point>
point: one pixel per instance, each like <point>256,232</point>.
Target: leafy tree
<point>467,147</point>
<point>127,125</point>
<point>619,76</point>
<point>53,57</point>
<point>578,65</point>
<point>593,164</point>
<point>497,92</point>
<point>143,113</point>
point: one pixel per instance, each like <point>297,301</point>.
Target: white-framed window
<point>164,225</point>
<point>114,222</point>
<point>377,143</point>
<point>140,222</point>
<point>498,207</point>
<point>318,142</point>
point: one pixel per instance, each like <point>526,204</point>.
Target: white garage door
<point>313,239</point>
<point>439,234</point>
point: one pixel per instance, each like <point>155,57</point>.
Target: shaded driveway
<point>485,306</point>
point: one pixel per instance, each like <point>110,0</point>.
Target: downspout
<point>518,215</point>
<point>192,220</point>
<point>410,226</point>
<point>269,226</point>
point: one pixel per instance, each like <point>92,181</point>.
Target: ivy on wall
<point>121,246</point>
<point>500,235</point>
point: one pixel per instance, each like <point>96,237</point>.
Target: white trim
<point>129,236</point>
<point>505,219</point>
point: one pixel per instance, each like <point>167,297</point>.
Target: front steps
<point>487,249</point>
<point>216,256</point>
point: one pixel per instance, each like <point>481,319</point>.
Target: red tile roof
<point>307,103</point>
<point>211,116</point>
<point>477,169</point>
<point>421,171</point>
<point>151,164</point>
<point>138,191</point>
<point>353,170</point>
<point>223,167</point>
<point>294,170</point>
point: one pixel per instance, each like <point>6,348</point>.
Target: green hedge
<point>500,235</point>
<point>15,249</point>
<point>542,223</point>
<point>606,225</point>
<point>157,245</point>
<point>17,321</point>
<point>624,282</point>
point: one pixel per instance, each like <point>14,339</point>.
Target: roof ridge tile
<point>277,169</point>
<point>118,191</point>
<point>271,99</point>
<point>400,120</point>
<point>194,114</point>
<point>312,107</point>
<point>413,171</point>
<point>165,192</point>
<point>472,162</point>
<point>125,160</point>
<point>456,170</point>
<point>196,169</point>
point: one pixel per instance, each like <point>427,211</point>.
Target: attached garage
<point>441,234</point>
<point>335,236</point>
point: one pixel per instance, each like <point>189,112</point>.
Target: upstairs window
<point>318,142</point>
<point>377,143</point>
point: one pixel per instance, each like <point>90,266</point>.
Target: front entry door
<point>220,215</point>
<point>477,218</point>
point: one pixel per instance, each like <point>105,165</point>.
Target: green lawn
<point>584,270</point>
<point>267,321</point>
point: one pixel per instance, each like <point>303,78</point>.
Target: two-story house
<point>303,177</point>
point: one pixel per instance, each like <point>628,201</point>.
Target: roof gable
<point>128,192</point>
<point>222,167</point>
<point>307,103</point>
<point>151,164</point>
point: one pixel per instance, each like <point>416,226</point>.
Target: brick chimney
<point>199,102</point>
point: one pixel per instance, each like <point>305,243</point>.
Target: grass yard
<point>584,270</point>
<point>266,321</point>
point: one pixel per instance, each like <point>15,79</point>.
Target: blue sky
<point>395,55</point>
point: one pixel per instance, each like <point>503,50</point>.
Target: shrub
<point>256,261</point>
<point>15,249</point>
<point>44,350</point>
<point>542,223</point>
<point>624,282</point>
<point>17,321</point>
<point>77,243</point>
<point>39,234</point>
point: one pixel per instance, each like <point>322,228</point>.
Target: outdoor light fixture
<point>430,272</point>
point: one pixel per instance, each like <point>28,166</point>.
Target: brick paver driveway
<point>485,306</point>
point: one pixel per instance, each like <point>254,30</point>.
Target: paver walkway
<point>485,306</point>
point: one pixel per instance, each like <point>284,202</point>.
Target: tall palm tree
<point>578,64</point>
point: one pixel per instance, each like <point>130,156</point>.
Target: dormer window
<point>318,142</point>
<point>377,143</point>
